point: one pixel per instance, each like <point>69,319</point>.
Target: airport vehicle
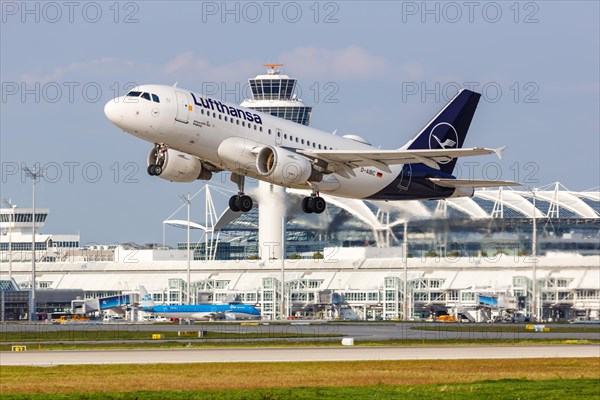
<point>584,320</point>
<point>195,136</point>
<point>197,311</point>
<point>113,318</point>
<point>71,318</point>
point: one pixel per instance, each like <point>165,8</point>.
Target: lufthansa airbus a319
<point>194,136</point>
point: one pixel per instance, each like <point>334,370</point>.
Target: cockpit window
<point>146,96</point>
<point>133,94</point>
<point>155,98</point>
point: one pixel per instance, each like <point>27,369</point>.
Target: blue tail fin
<point>448,129</point>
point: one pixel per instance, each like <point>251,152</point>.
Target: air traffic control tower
<point>274,94</point>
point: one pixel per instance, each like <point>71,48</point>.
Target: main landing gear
<point>313,204</point>
<point>240,202</point>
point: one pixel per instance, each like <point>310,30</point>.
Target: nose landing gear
<point>156,160</point>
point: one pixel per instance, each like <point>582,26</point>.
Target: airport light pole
<point>187,200</point>
<point>405,267</point>
<point>34,175</point>
<point>283,267</point>
<point>10,225</point>
<point>534,256</point>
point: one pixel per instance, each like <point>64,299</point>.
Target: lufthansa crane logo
<point>443,136</point>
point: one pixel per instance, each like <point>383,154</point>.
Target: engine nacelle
<point>285,168</point>
<point>238,153</point>
<point>176,166</point>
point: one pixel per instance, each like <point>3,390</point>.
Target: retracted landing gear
<point>313,204</point>
<point>240,202</point>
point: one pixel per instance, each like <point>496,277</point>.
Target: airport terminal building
<point>471,268</point>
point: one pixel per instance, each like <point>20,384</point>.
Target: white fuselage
<point>199,126</point>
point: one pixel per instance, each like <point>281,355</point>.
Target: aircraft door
<point>183,105</point>
<point>278,136</point>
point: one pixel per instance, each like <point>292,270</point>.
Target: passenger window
<point>254,127</point>
<point>269,131</point>
<point>291,138</point>
<point>308,142</point>
<point>243,123</point>
<point>202,111</point>
<point>260,128</point>
<point>319,147</point>
<point>302,141</point>
<point>220,116</point>
<point>155,98</point>
<point>146,96</point>
<point>278,134</point>
<point>225,118</point>
<point>237,121</point>
<point>214,115</point>
<point>285,135</point>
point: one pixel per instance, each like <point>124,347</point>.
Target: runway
<point>170,356</point>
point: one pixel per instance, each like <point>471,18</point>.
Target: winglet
<point>499,151</point>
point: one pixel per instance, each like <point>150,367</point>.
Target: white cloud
<point>100,66</point>
<point>350,63</point>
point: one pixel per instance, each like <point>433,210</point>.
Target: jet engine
<point>285,167</point>
<point>176,166</point>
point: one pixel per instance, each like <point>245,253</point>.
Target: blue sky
<point>377,69</point>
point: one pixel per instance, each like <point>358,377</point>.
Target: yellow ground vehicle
<point>446,318</point>
<point>70,318</point>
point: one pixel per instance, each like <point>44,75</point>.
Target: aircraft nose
<point>112,112</point>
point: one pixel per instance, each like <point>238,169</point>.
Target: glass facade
<point>272,89</point>
<point>300,115</point>
<point>23,217</point>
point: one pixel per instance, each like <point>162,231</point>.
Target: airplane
<point>195,136</point>
<point>197,311</point>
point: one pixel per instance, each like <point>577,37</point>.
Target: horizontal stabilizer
<point>471,183</point>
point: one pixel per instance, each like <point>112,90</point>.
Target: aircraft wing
<point>344,161</point>
<point>471,183</point>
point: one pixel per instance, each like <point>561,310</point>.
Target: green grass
<point>490,390</point>
<point>125,334</point>
<point>283,377</point>
<point>170,344</point>
<point>166,344</point>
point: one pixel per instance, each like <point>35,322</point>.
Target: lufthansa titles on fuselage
<point>216,105</point>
